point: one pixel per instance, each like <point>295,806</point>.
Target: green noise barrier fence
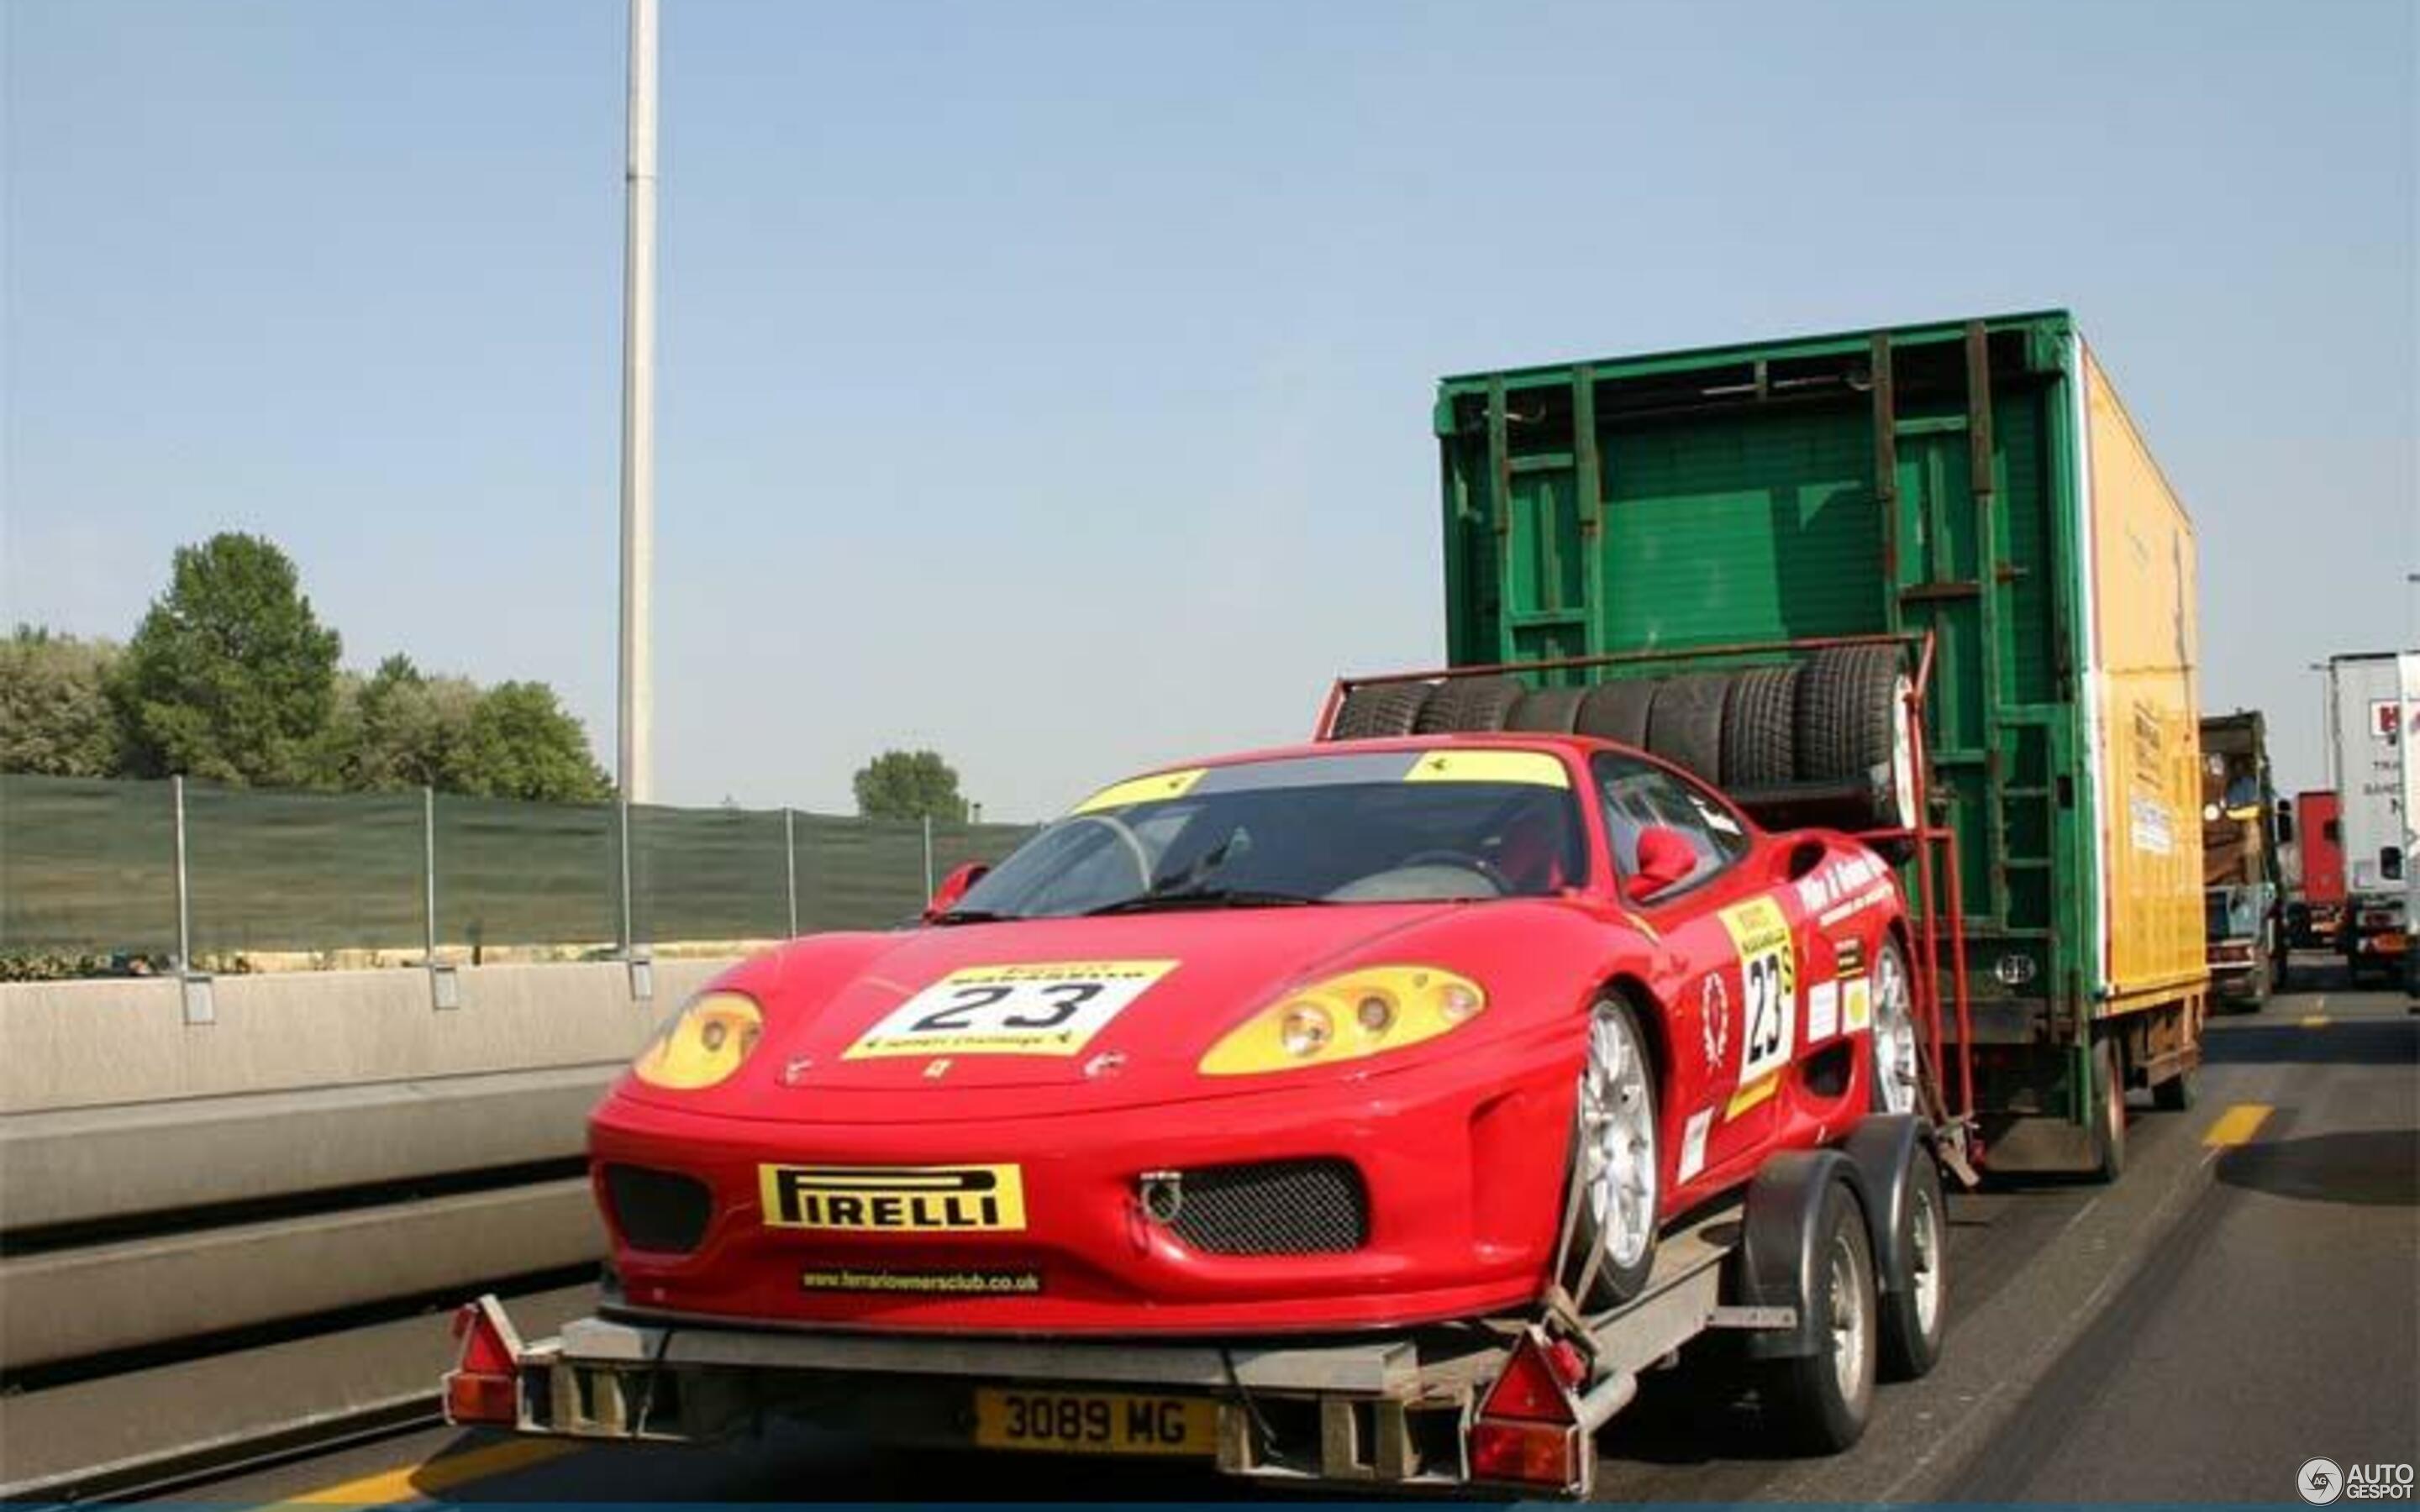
<point>180,871</point>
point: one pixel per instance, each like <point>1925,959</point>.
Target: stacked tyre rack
<point>1817,738</point>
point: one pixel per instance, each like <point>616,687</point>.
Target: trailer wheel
<point>1851,728</point>
<point>1550,711</point>
<point>1465,705</point>
<point>2109,1117</point>
<point>1684,724</point>
<point>1819,1402</point>
<point>1377,709</point>
<point>1915,1316</point>
<point>1614,1141</point>
<point>1617,711</point>
<point>1760,729</point>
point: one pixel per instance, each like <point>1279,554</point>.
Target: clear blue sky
<point>1049,383</point>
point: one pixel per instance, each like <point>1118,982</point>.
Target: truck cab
<point>2242,914</point>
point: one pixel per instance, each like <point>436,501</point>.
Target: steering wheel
<point>1127,836</point>
<point>1464,859</point>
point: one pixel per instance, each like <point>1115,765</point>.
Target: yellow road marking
<point>2237,1125</point>
<point>437,1476</point>
<point>2315,1021</point>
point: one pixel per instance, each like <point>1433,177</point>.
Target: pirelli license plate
<point>1094,1422</point>
<point>893,1199</point>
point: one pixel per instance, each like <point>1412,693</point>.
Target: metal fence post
<point>193,986</point>
<point>444,991</point>
<point>929,856</point>
<point>790,863</point>
<point>641,967</point>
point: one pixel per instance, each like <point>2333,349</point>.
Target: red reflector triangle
<point>484,1349</point>
<point>1528,1389</point>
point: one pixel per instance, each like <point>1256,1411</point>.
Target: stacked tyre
<point>1832,721</point>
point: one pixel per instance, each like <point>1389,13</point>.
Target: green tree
<point>519,742</point>
<point>910,784</point>
<point>403,729</point>
<point>55,717</point>
<point>231,676</point>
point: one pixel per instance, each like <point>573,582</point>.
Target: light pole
<point>635,768</point>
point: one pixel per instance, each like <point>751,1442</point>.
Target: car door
<point>1733,1005</point>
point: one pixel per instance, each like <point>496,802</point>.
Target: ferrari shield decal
<point>1769,978</point>
<point>1041,1008</point>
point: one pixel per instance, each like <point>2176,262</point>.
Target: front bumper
<point>1463,1161</point>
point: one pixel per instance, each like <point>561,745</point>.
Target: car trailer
<point>1829,1268</point>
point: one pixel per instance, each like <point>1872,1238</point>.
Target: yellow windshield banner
<point>1152,789</point>
<point>1536,768</point>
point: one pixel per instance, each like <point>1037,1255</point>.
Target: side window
<point>1637,796</point>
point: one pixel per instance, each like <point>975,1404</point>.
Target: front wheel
<point>1615,1144</point>
<point>1819,1402</point>
<point>1896,1061</point>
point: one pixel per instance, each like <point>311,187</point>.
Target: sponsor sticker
<point>1857,1004</point>
<point>1823,1010</point>
<point>924,1283</point>
<point>1041,1008</point>
<point>896,1199</point>
<point>1769,978</point>
<point>1693,1142</point>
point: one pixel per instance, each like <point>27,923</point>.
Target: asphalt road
<point>2196,1331</point>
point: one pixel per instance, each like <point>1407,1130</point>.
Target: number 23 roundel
<point>1768,982</point>
<point>1043,1007</point>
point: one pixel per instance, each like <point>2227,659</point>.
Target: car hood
<point>838,1041</point>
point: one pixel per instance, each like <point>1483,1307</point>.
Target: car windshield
<point>1364,827</point>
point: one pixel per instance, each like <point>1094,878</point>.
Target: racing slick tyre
<point>1617,711</point>
<point>1468,705</point>
<point>1684,725</point>
<point>1914,1317</point>
<point>1377,709</point>
<point>1898,1063</point>
<point>1819,1402</point>
<point>1851,700</point>
<point>2109,1113</point>
<point>1614,1145</point>
<point>1550,711</point>
<point>1760,729</point>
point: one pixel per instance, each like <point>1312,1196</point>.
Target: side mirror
<point>1665,858</point>
<point>954,887</point>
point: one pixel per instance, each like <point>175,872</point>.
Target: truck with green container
<point>1925,582</point>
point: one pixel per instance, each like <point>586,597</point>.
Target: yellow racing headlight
<point>703,1043</point>
<point>1364,1013</point>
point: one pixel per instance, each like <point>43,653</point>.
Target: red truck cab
<point>2320,921</point>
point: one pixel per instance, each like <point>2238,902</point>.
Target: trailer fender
<point>1776,1260</point>
<point>1885,1148</point>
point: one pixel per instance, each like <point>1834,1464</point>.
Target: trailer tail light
<point>1528,1430</point>
<point>484,1387</point>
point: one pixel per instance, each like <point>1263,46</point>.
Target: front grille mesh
<point>1289,1207</point>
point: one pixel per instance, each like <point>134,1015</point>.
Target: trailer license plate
<point>1088,1422</point>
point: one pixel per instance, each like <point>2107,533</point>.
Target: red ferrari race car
<point>1343,1040</point>
<point>1282,1042</point>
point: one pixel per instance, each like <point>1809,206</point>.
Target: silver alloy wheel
<point>1925,1235</point>
<point>1896,1065</point>
<point>1849,1321</point>
<point>1618,1140</point>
